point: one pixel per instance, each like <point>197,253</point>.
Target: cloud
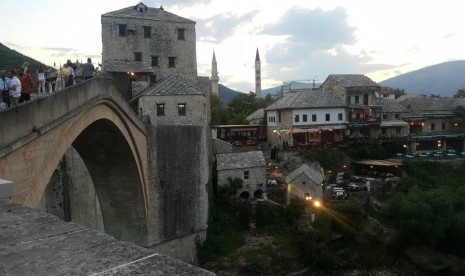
<point>449,35</point>
<point>221,26</point>
<point>58,49</point>
<point>320,63</point>
<point>314,46</point>
<point>313,29</point>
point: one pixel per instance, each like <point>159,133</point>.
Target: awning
<point>414,119</point>
<point>436,136</point>
<point>397,123</point>
<point>384,163</point>
<point>358,124</point>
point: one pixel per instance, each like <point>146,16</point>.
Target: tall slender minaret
<point>258,76</point>
<point>215,79</point>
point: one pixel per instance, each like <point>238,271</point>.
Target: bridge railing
<point>22,123</point>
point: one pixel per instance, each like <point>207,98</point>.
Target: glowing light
<point>317,204</point>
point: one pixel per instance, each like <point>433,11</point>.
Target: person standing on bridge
<point>40,79</point>
<point>15,86</point>
<point>5,88</point>
<point>26,83</point>
<point>88,69</point>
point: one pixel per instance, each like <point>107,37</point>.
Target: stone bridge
<point>94,120</point>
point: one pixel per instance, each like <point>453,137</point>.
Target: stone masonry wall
<point>256,181</point>
<point>163,43</point>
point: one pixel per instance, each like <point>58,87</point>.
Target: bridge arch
<point>113,148</point>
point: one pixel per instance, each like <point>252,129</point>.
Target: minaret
<point>258,76</point>
<point>215,79</point>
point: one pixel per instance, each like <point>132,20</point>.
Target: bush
<point>428,207</point>
<point>328,158</point>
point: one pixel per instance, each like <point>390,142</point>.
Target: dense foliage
<point>237,109</point>
<point>428,207</point>
<point>376,151</point>
<point>328,158</point>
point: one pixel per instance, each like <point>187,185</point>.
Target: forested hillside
<point>11,59</point>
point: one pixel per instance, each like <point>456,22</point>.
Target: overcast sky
<point>297,39</point>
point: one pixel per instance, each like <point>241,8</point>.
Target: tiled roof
<point>258,114</point>
<point>157,14</point>
<point>171,85</point>
<point>240,160</point>
<point>314,174</point>
<point>308,99</point>
<point>127,66</point>
<point>429,104</point>
<point>459,102</point>
<point>352,80</point>
<point>391,106</point>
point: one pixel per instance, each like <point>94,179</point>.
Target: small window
<point>279,116</point>
<point>182,109</point>
<point>246,175</point>
<point>328,117</point>
<point>153,78</point>
<point>122,29</point>
<point>397,116</point>
<point>357,99</point>
<point>155,61</point>
<point>138,56</point>
<point>385,116</point>
<point>313,117</point>
<point>147,31</point>
<point>433,126</point>
<point>304,118</point>
<point>383,131</point>
<point>398,130</point>
<point>181,34</point>
<point>160,109</point>
<point>171,62</point>
<point>443,126</point>
<point>339,116</point>
<point>296,118</point>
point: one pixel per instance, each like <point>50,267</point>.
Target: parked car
<point>353,187</point>
<point>272,182</point>
<point>339,193</point>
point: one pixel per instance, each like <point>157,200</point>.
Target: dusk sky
<point>297,39</point>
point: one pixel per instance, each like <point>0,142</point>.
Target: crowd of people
<point>16,86</point>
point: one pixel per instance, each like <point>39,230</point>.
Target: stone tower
<point>215,79</point>
<point>258,76</point>
<point>150,42</point>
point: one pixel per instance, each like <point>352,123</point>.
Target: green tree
<point>399,92</point>
<point>243,103</point>
<point>219,114</point>
<point>460,93</point>
<point>459,114</point>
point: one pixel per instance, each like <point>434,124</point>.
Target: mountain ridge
<point>442,79</point>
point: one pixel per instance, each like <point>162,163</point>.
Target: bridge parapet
<point>25,122</point>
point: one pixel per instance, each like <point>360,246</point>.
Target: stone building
<point>247,166</point>
<point>306,181</point>
<point>431,122</point>
<point>151,54</point>
<point>306,117</point>
<point>359,93</point>
<point>141,43</point>
<point>392,124</point>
